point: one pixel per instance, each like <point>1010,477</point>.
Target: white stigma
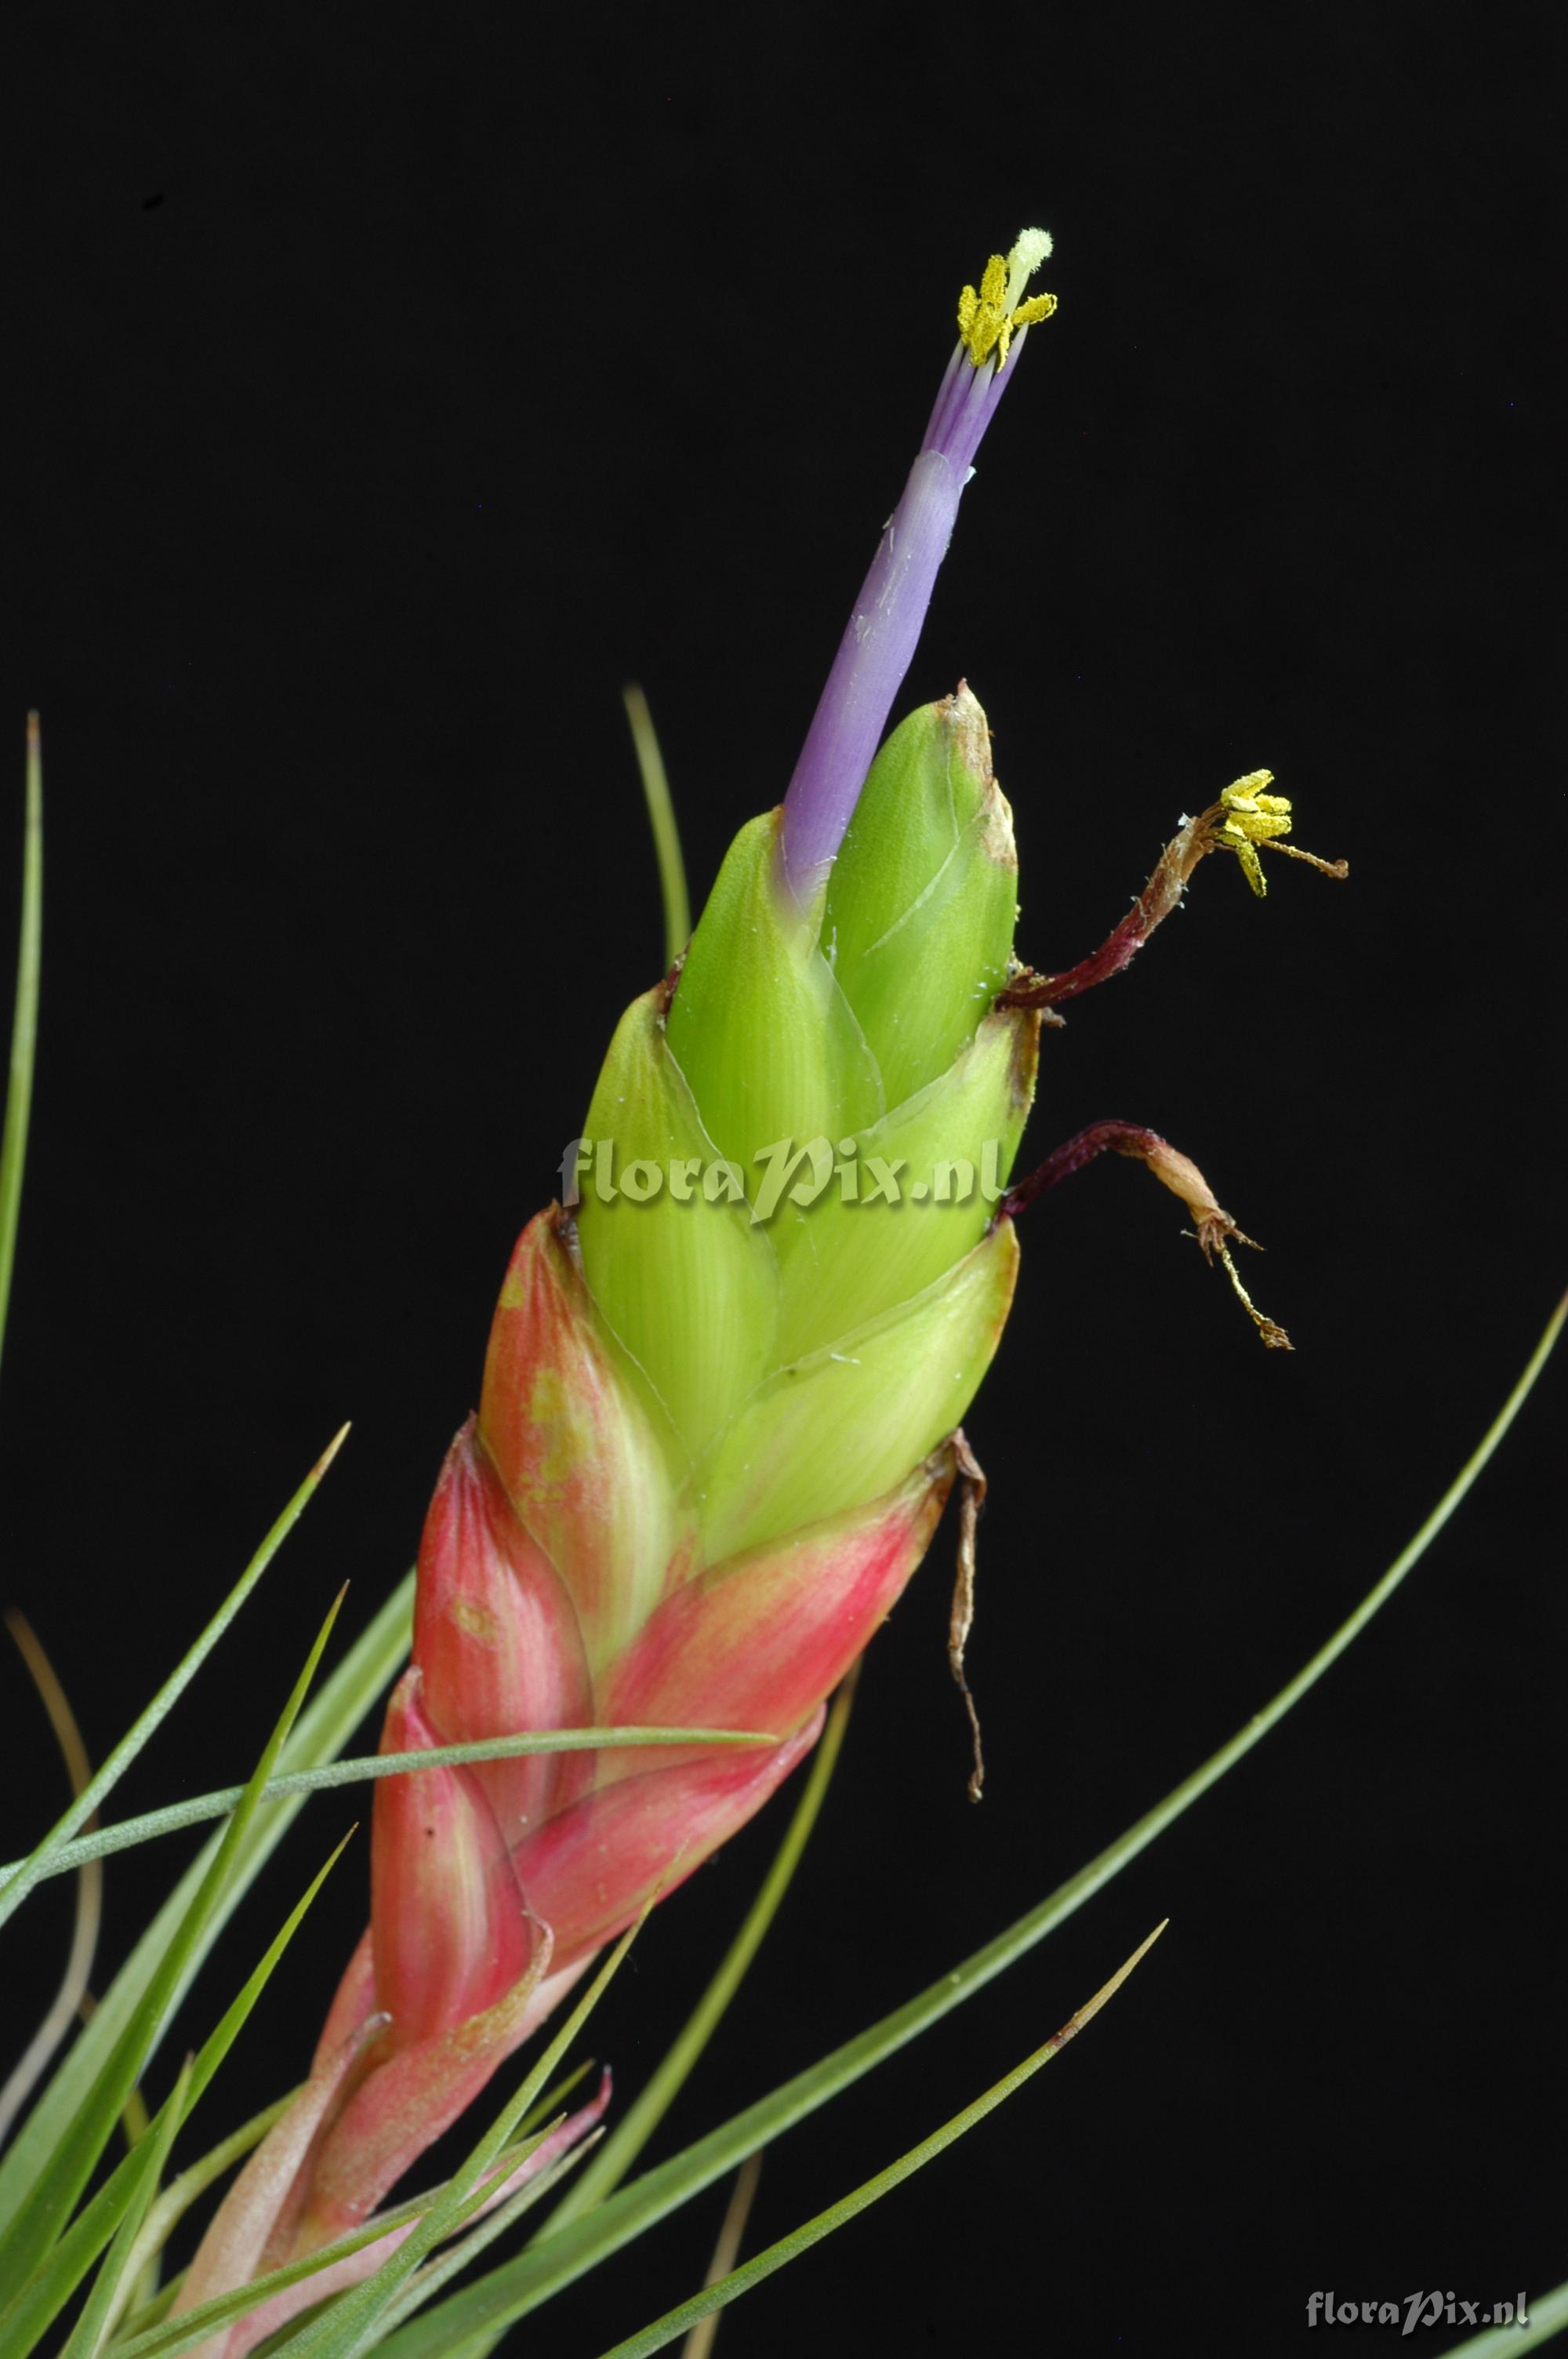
<point>1029,251</point>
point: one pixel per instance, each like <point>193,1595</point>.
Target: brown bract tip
<point>667,988</point>
<point>963,717</point>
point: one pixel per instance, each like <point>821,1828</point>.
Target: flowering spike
<point>722,1397</point>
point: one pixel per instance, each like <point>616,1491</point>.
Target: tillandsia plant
<point>722,1405</point>
<point>721,1415</point>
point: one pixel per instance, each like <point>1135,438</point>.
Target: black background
<point>393,392</point>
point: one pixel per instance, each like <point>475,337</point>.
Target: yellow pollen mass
<point>1252,817</point>
<point>985,322</point>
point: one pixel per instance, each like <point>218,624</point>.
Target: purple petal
<point>877,647</point>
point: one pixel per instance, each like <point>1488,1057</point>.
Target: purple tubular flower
<point>878,646</point>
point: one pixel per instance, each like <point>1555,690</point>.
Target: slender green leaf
<point>33,2063</point>
<point>427,2281</point>
<point>56,2278</point>
<point>24,1877</point>
<point>169,2336</point>
<point>726,2252</point>
<point>24,1021</point>
<point>471,2321</point>
<point>728,2289</point>
<point>661,819</point>
<point>323,1729</point>
<point>93,2324</point>
<point>41,2215</point>
<point>365,1767</point>
<point>1548,2318</point>
<point>637,2125</point>
<point>193,2182</point>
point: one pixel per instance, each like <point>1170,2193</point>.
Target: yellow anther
<point>1256,809</point>
<point>1252,817</point>
<point>989,320</point>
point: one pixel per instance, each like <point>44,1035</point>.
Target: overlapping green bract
<point>846,1101</point>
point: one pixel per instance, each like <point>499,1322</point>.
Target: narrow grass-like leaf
<point>543,2117</point>
<point>353,2321</point>
<point>41,2215</point>
<point>726,2253</point>
<point>1548,2318</point>
<point>63,2008</point>
<point>321,1732</point>
<point>57,2277</point>
<point>167,2337</point>
<point>214,2051</point>
<point>427,2281</point>
<point>176,2199</point>
<point>471,2321</point>
<point>24,1021</point>
<point>24,1877</point>
<point>728,2289</point>
<point>365,1767</point>
<point>662,820</point>
<point>91,2328</point>
<point>637,2125</point>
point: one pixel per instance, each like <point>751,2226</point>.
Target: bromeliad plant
<point>721,1413</point>
<point>723,1400</point>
